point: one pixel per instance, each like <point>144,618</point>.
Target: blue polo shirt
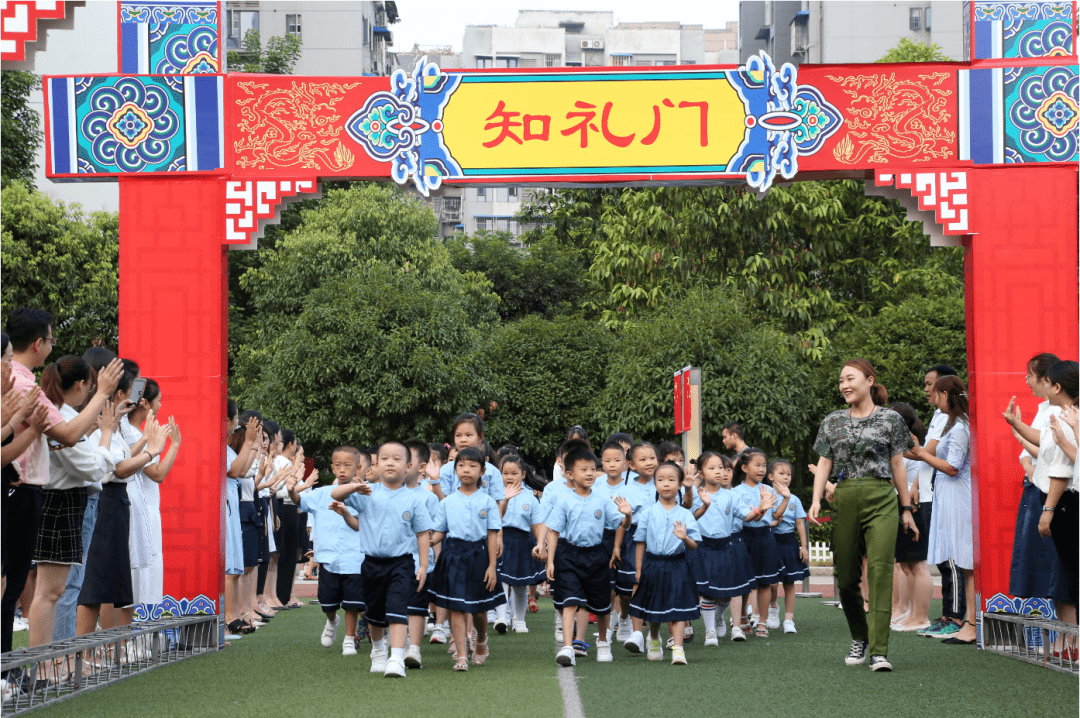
<point>656,529</point>
<point>726,510</point>
<point>639,495</point>
<point>337,547</point>
<point>522,511</point>
<point>752,496</point>
<point>492,478</point>
<point>431,501</point>
<point>581,520</point>
<point>794,511</point>
<point>467,518</point>
<point>389,520</point>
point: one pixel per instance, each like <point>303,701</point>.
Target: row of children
<point>648,541</point>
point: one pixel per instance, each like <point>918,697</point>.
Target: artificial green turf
<point>805,673</point>
<point>283,670</point>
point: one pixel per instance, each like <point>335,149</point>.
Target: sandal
<point>461,664</point>
<point>533,608</point>
<point>479,657</point>
<point>761,631</point>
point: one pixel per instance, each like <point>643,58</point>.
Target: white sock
<point>709,616</point>
<point>379,645</point>
<point>500,613</point>
<point>398,653</point>
<point>519,595</point>
<point>558,619</point>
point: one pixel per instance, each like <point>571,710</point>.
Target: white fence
<point>820,553</point>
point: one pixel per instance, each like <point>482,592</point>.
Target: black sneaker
<point>857,654</point>
<point>879,663</point>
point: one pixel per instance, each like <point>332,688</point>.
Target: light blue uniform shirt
<point>639,495</point>
<point>794,511</point>
<point>752,496</point>
<point>551,494</point>
<point>337,547</point>
<point>522,511</point>
<point>389,520</point>
<point>581,520</point>
<point>603,488</point>
<point>431,503</point>
<point>656,529</point>
<point>492,478</point>
<point>725,510</point>
<point>467,518</point>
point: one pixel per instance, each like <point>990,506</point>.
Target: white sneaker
<point>438,635</point>
<point>754,619</point>
<point>603,652</point>
<point>395,668</point>
<point>656,649</point>
<point>559,635</point>
<point>636,642</point>
<point>789,626</point>
<point>520,627</point>
<point>378,660</point>
<point>565,657</point>
<point>773,620</point>
<point>412,657</point>
<point>501,625</point>
<point>624,629</point>
<point>678,656</point>
<point>721,629</point>
<point>737,634</point>
<point>329,631</point>
<point>348,646</point>
<point>491,616</point>
<point>609,634</point>
<point>710,638</point>
<point>20,624</point>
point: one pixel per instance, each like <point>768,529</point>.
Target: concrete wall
<point>863,32</point>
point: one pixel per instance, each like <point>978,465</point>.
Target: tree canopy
<point>20,134</point>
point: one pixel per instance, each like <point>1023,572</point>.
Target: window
<point>552,60</point>
<point>292,25</point>
<point>666,62</point>
<point>237,24</point>
<point>512,194</point>
<point>481,194</point>
<point>573,64</point>
<point>926,12</point>
<point>483,224</point>
<point>365,37</point>
<point>643,63</point>
<point>506,62</point>
<point>502,194</point>
<point>915,19</point>
<point>502,224</point>
<point>483,62</point>
<point>620,60</point>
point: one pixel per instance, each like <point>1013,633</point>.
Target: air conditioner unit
<point>598,44</point>
<point>585,45</point>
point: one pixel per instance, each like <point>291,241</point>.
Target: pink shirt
<point>33,465</point>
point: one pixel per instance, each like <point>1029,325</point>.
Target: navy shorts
<point>340,590</point>
<point>582,577</point>
<point>387,585</point>
<point>419,600</point>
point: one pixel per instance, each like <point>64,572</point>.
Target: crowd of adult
<point>83,458</point>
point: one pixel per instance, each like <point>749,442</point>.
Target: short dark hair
<point>473,454</point>
<point>734,427</point>
<point>230,406</point>
<point>98,357</point>
<point>346,449</point>
<point>4,341</point>
<point>1040,363</point>
<point>622,438</point>
<point>25,326</point>
<point>271,428</point>
<point>666,449</point>
<point>130,365</point>
<point>246,416</point>
<point>576,454</point>
<point>612,445</point>
<point>1064,374</point>
<point>419,449</point>
<point>569,445</point>
<point>288,436</point>
<point>941,370</point>
<point>441,450</point>
<point>673,465</point>
<point>390,442</point>
<point>468,418</point>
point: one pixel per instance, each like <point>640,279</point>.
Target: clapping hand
<point>109,377</point>
<point>174,431</point>
<point>108,418</point>
<point>155,437</point>
<point>768,499</point>
<point>1012,413</point>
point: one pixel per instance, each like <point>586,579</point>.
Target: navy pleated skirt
<point>517,567</point>
<point>792,568</point>
<point>761,545</point>
<point>457,583</point>
<point>627,570</point>
<point>721,568</point>
<point>667,591</point>
<point>107,577</point>
<point>1033,556</point>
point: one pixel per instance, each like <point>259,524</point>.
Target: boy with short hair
<point>337,547</point>
<point>578,564</point>
<point>390,517</point>
<point>420,599</point>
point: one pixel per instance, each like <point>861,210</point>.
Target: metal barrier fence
<point>1032,639</point>
<point>46,674</point>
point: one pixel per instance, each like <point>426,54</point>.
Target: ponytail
<point>878,394</point>
<point>63,374</point>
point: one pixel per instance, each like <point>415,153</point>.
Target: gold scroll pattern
<point>894,119</point>
<point>294,126</point>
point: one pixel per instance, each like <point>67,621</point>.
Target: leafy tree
<point>908,50</point>
<point>362,328</point>
<point>59,260</point>
<point>546,278</point>
<point>750,373</point>
<point>811,256</point>
<point>546,374</point>
<point>20,135</point>
<point>279,57</point>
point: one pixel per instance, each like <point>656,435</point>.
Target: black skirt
<point>761,545</point>
<point>60,540</point>
<point>722,568</point>
<point>249,533</point>
<point>457,583</point>
<point>627,569</point>
<point>792,568</point>
<point>666,591</point>
<point>107,578</point>
<point>517,567</point>
<point>1033,557</point>
<point>908,549</point>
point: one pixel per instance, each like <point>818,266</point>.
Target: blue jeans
<point>64,627</point>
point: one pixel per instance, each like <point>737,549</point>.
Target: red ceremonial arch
<point>984,153</point>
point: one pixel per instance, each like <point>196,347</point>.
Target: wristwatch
<point>905,508</point>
